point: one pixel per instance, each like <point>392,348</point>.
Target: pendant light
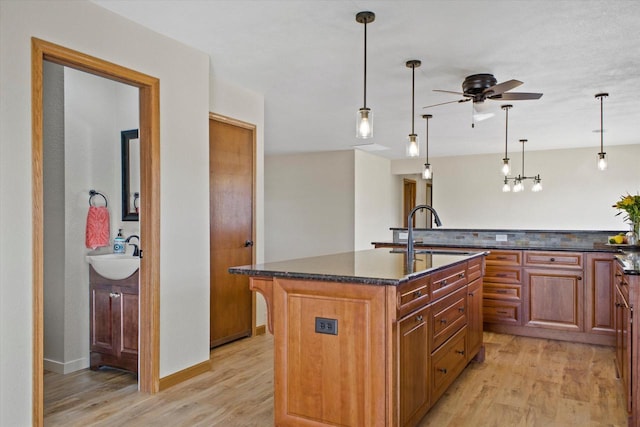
<point>506,168</point>
<point>427,173</point>
<point>413,145</point>
<point>602,156</point>
<point>518,181</point>
<point>364,116</point>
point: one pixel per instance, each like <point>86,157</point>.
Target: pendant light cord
<point>365,64</point>
<point>601,124</point>
<point>413,92</point>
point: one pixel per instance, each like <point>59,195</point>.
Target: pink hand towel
<point>97,232</point>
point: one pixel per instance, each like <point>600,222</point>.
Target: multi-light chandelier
<point>518,181</point>
<point>364,117</point>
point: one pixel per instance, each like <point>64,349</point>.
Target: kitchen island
<point>361,340</point>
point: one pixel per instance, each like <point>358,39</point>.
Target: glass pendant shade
<point>427,173</point>
<point>518,186</point>
<point>506,169</point>
<point>602,161</point>
<point>537,185</point>
<point>413,146</point>
<point>364,123</point>
<point>506,188</point>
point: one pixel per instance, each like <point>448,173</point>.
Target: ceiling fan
<point>480,87</point>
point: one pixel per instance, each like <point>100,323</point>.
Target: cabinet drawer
<point>448,316</point>
<point>413,295</point>
<point>474,268</point>
<point>506,312</point>
<point>504,258</point>
<point>553,259</point>
<point>447,363</point>
<point>499,274</point>
<point>502,291</point>
<point>445,281</point>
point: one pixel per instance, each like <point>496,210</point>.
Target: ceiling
<point>306,58</point>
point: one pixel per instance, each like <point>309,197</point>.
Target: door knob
<point>248,243</point>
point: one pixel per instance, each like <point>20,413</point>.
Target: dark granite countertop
<point>595,247</point>
<point>371,267</point>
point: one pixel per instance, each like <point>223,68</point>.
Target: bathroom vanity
<point>360,340</point>
<point>114,321</point>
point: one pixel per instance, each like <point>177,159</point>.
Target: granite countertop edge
<point>514,247</point>
<point>254,270</point>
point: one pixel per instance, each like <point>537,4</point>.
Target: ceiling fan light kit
<point>413,144</point>
<point>602,156</point>
<point>364,116</point>
<point>480,87</point>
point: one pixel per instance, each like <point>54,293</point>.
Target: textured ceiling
<point>306,57</point>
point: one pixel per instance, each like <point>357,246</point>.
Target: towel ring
<point>93,193</point>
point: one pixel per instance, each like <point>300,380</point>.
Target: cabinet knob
<point>461,275</point>
<point>443,321</point>
<point>443,370</point>
<point>248,243</point>
<point>460,352</point>
<point>114,294</point>
<point>417,294</point>
<point>419,318</point>
<point>461,309</point>
<point>552,259</point>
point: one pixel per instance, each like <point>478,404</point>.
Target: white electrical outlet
<point>501,237</point>
<point>403,236</point>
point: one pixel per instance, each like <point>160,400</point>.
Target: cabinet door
<point>555,299</point>
<point>474,318</point>
<point>623,343</point>
<point>128,323</point>
<point>103,338</point>
<point>414,367</point>
<point>600,291</point>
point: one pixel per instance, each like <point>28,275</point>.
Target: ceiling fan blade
<point>448,91</point>
<point>449,102</point>
<point>516,96</point>
<point>502,87</point>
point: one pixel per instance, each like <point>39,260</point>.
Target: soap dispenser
<point>119,243</point>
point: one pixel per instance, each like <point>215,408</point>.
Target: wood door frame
<point>408,189</point>
<point>249,126</point>
<point>149,91</point>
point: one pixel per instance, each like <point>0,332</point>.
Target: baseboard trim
<point>65,367</point>
<point>261,329</point>
<point>185,374</point>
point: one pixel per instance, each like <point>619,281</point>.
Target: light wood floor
<point>523,382</point>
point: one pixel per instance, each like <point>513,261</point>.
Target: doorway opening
<point>149,88</point>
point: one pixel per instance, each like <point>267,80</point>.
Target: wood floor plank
<point>523,382</point>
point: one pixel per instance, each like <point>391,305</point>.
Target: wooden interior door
<point>409,200</point>
<point>231,196</point>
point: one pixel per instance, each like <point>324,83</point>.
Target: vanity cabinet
<point>113,313</point>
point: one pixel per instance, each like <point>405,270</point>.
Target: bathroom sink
<point>114,266</point>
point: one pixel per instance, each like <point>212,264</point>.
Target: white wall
<point>467,190</point>
<point>184,105</point>
<point>238,103</point>
<point>309,204</point>
<point>377,202</point>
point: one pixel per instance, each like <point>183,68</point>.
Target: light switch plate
<point>501,237</point>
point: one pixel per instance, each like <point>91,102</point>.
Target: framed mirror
<point>130,175</point>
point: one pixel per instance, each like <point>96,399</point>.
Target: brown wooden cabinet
<point>624,333</point>
<point>502,287</point>
<point>600,293</point>
<point>395,351</point>
<point>414,366</point>
<point>114,321</point>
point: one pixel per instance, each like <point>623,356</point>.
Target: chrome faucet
<point>136,250</point>
<point>410,248</point>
